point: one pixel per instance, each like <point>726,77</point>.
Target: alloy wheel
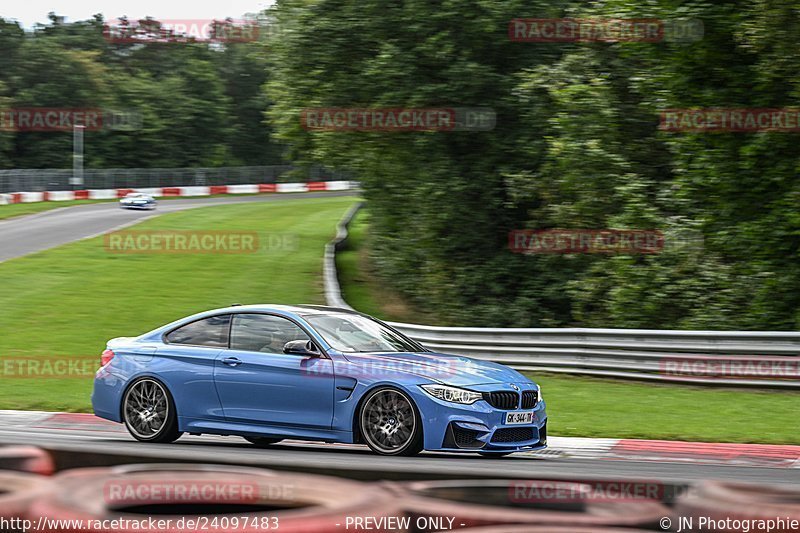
<point>388,421</point>
<point>146,408</point>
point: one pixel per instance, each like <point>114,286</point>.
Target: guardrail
<point>333,292</point>
<point>726,358</point>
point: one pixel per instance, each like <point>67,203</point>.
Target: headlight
<point>452,394</point>
<point>540,395</point>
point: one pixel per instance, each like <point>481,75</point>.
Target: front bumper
<point>480,427</point>
<point>478,438</point>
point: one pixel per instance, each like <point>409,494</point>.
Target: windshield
<point>355,333</point>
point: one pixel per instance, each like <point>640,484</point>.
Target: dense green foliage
<point>576,145</point>
<point>199,104</point>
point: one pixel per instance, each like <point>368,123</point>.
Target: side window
<point>263,333</point>
<point>211,331</point>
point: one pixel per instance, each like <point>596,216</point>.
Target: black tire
<point>396,414</point>
<point>149,413</point>
<point>262,442</point>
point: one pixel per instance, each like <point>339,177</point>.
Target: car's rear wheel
<point>149,412</point>
<point>390,423</point>
<point>262,442</point>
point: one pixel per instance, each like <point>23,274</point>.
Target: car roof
<point>301,309</point>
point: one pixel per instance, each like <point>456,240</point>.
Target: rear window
<point>211,331</point>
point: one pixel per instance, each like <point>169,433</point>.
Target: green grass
<point>66,302</point>
<point>588,407</point>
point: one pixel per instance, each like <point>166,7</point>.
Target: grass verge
<point>590,407</point>
<point>64,303</point>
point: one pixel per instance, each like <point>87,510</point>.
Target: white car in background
<point>137,200</point>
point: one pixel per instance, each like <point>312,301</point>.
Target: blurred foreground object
<point>26,459</point>
<point>238,498</point>
<point>17,492</point>
<point>496,502</point>
<point>720,501</point>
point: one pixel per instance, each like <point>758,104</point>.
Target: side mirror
<point>305,348</point>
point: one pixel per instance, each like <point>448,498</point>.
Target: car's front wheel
<point>390,423</point>
<point>149,412</point>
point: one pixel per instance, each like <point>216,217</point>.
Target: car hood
<point>454,370</point>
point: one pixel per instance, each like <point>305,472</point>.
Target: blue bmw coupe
<point>273,372</point>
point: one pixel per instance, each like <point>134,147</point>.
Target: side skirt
<point>194,425</point>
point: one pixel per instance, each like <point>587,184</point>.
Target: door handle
<point>232,361</point>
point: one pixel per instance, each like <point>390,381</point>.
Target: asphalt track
<point>32,233</point>
<point>114,445</point>
<point>28,234</point>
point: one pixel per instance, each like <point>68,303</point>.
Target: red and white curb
<point>168,192</point>
<point>759,455</point>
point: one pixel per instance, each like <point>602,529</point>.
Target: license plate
<point>519,417</point>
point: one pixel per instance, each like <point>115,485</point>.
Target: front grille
<point>529,399</point>
<point>502,399</point>
<point>513,434</point>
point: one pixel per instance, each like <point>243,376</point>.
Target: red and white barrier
<point>169,192</point>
